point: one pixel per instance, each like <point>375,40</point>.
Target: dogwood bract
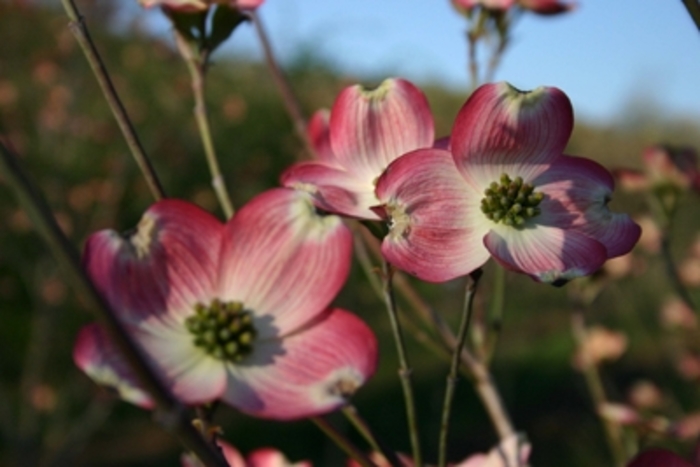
<point>236,311</point>
<point>506,190</point>
<point>367,130</point>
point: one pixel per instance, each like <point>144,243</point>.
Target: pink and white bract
<point>263,457</point>
<point>367,130</point>
<point>201,5</point>
<point>507,191</point>
<point>236,311</point>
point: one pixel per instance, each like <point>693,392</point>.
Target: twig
<point>80,31</point>
<point>289,99</point>
<point>196,65</point>
<point>595,385</point>
<point>375,443</point>
<point>171,414</point>
<point>483,381</point>
<point>693,8</point>
<point>342,442</point>
<point>472,283</point>
<point>404,366</point>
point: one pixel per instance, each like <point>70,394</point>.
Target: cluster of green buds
<point>511,202</point>
<point>223,329</point>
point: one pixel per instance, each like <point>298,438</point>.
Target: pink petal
<point>369,129</point>
<point>95,354</point>
<point>334,189</point>
<point>185,6</point>
<point>547,254</point>
<point>268,457</point>
<point>577,193</point>
<point>231,454</point>
<point>163,268</point>
<point>193,376</point>
<point>503,130</point>
<point>659,458</point>
<point>308,373</point>
<point>511,452</point>
<point>247,4</point>
<point>318,130</point>
<point>546,7</point>
<point>436,226</point>
<point>631,180</point>
<point>283,260</point>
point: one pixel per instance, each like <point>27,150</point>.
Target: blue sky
<point>603,55</point>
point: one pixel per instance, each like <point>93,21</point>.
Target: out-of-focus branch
<point>80,31</point>
<point>693,7</point>
<point>291,103</point>
<point>169,411</point>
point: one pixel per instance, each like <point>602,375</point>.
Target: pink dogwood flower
<point>659,458</point>
<point>367,130</point>
<point>512,451</point>
<point>263,457</point>
<point>237,311</point>
<point>200,5</point>
<point>542,7</point>
<point>664,167</point>
<point>506,191</point>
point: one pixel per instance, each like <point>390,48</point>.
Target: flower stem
<point>663,213</point>
<point>291,103</point>
<point>404,367</point>
<point>483,381</point>
<point>342,442</point>
<point>472,283</point>
<point>693,8</point>
<point>672,270</point>
<point>197,66</point>
<point>594,383</point>
<point>80,31</point>
<point>169,412</point>
<point>376,444</point>
<point>495,314</point>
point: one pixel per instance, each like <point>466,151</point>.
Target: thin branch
<point>693,7</point>
<point>80,31</point>
<point>595,387</point>
<point>289,98</point>
<point>404,366</point>
<point>472,283</point>
<point>342,442</point>
<point>170,412</point>
<point>196,65</point>
<point>375,443</point>
<point>483,381</point>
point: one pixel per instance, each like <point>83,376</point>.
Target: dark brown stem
<point>171,414</point>
<point>291,103</point>
<point>693,7</point>
<point>80,31</point>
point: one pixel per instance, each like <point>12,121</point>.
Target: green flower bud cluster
<point>223,329</point>
<point>511,202</point>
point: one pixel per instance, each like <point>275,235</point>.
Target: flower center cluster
<point>511,202</point>
<point>223,329</point>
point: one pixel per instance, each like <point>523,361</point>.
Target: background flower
<point>367,130</point>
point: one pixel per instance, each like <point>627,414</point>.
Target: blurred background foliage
<point>54,116</point>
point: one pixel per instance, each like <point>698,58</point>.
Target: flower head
<point>505,190</point>
<point>200,5</point>
<point>367,130</point>
<point>542,7</point>
<point>237,312</point>
<point>263,457</point>
<point>664,167</point>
